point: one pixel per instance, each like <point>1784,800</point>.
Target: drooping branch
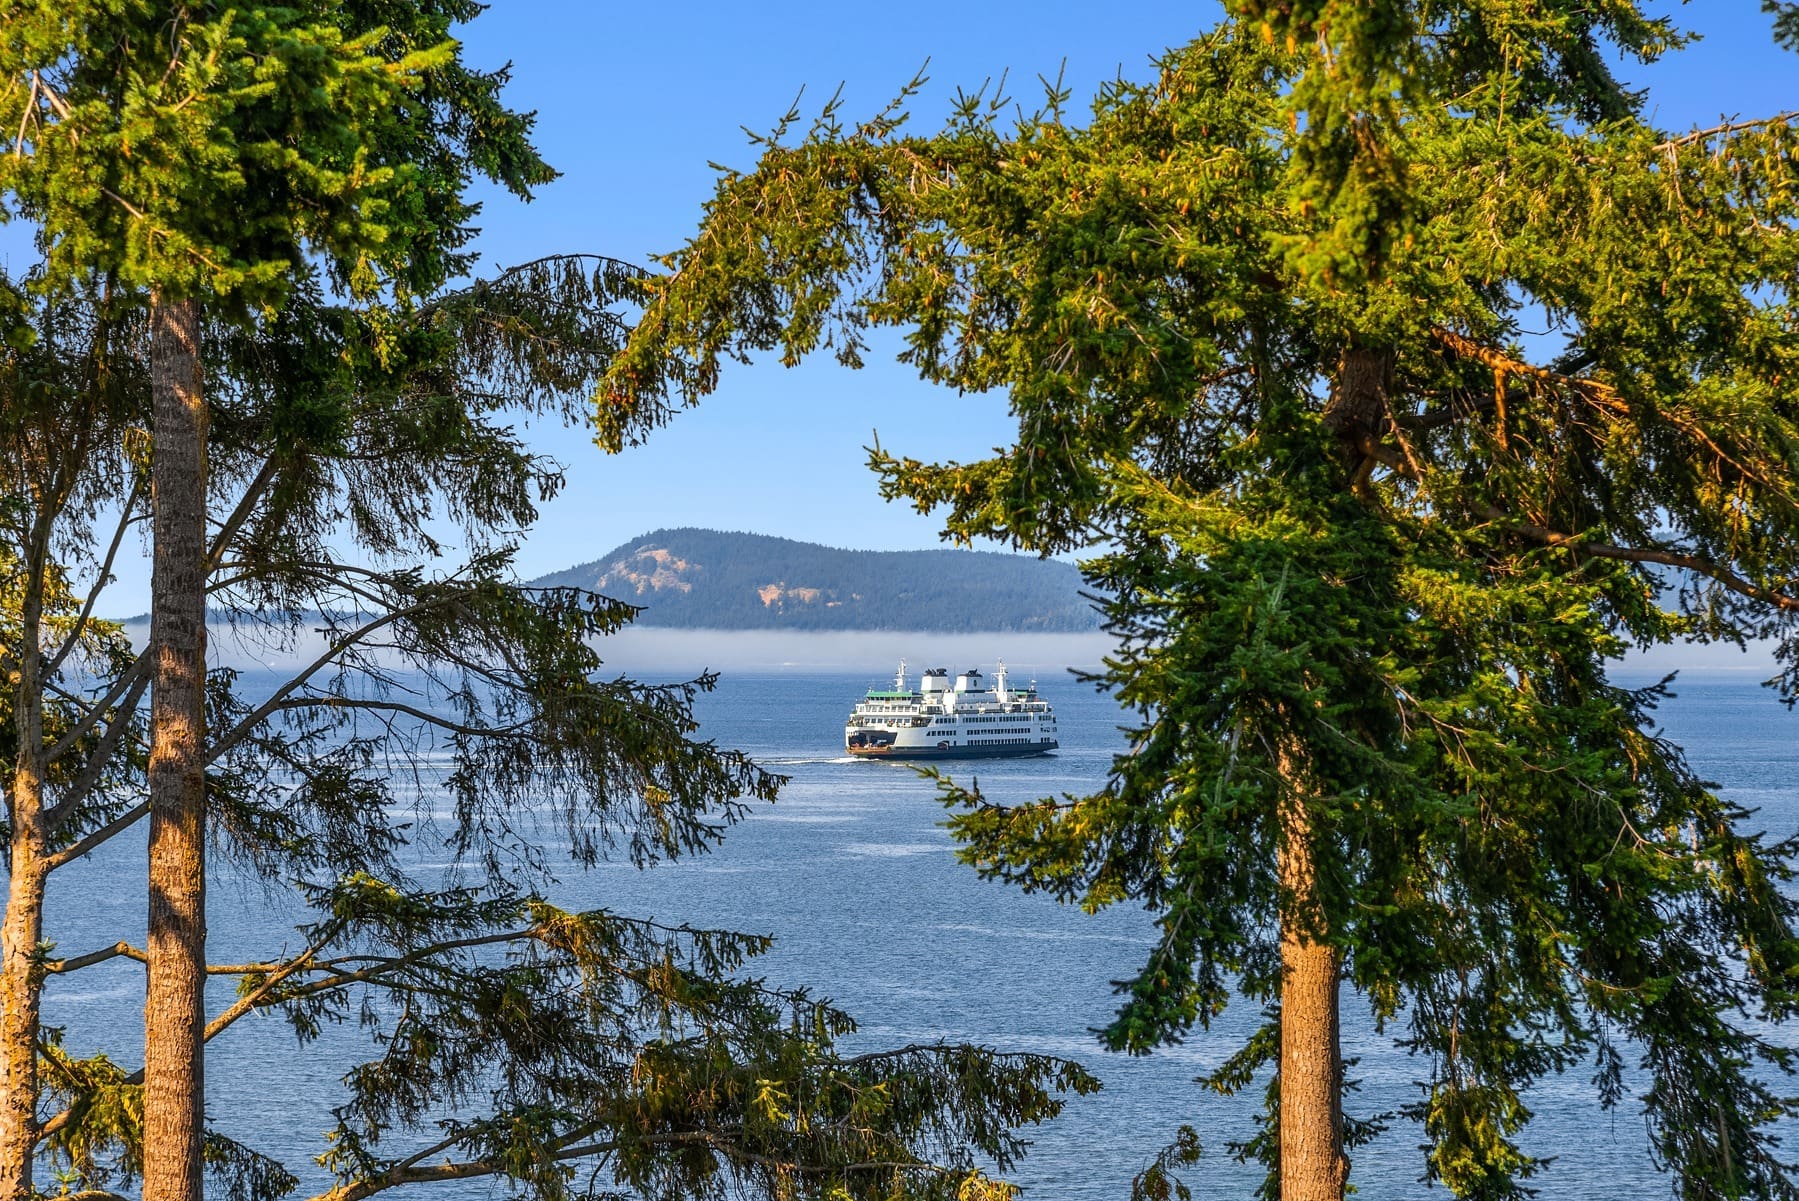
<point>83,785</point>
<point>570,1148</point>
<point>355,637</point>
<point>382,967</point>
<point>1661,556</point>
<point>424,716</point>
<point>409,1173</point>
<point>334,577</point>
<point>102,577</point>
<point>95,839</point>
<point>246,504</point>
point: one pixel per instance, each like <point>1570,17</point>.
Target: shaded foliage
<point>570,1054</point>
<point>1259,321</point>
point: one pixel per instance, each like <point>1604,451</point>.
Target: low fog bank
<point>1698,664</point>
<point>657,652</point>
<point>649,649</point>
<point>662,653</point>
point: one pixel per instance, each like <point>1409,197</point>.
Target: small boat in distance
<point>945,718</point>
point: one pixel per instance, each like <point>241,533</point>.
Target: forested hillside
<point>711,579</point>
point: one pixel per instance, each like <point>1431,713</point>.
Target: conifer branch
<point>424,716</point>
<point>1607,397</point>
<point>1467,348</point>
<point>355,637</point>
<point>1421,423</point>
<point>1661,556</point>
<point>99,759</point>
<point>102,578</point>
<point>257,996</point>
<point>1656,555</point>
<point>246,504</point>
<point>380,968</point>
<point>124,950</point>
<point>134,679</point>
<point>330,577</point>
<point>570,1148</point>
<point>97,838</point>
<point>1728,127</point>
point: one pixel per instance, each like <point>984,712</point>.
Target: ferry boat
<point>950,718</point>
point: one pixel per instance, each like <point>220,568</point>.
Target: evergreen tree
<point>515,1040</point>
<point>206,151</point>
<point>67,421</point>
<point>1368,556</point>
<point>188,172</point>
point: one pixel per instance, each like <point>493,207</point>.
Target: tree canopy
<point>207,151</point>
<point>1371,546</point>
<point>512,1039</point>
<point>214,155</point>
<point>253,221</point>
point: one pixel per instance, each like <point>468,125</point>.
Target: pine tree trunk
<point>23,929</point>
<point>1313,1166</point>
<point>174,1010</point>
<point>20,994</point>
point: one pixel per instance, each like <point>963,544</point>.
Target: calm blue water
<point>854,876</point>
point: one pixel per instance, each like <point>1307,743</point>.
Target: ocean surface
<point>853,874</point>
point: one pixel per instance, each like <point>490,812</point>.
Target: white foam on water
<point>895,850</point>
<point>809,819</point>
<point>803,761</point>
<point>1047,935</point>
<point>54,997</point>
<point>828,803</point>
<point>928,994</point>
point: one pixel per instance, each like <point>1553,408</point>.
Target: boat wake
<point>803,760</point>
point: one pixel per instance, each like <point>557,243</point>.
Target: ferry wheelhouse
<point>949,717</point>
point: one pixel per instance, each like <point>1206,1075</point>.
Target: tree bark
<point>174,1008</point>
<point>1313,1166</point>
<point>1358,408</point>
<point>23,929</point>
<point>20,990</point>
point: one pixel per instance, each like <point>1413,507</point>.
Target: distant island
<point>710,579</point>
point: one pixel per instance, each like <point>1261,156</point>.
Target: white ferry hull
<point>896,751</point>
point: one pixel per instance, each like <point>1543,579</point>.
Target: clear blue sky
<point>633,103</point>
<point>634,100</point>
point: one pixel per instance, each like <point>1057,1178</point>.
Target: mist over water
<point>667,653</point>
<point>878,651</point>
<point>854,875</point>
